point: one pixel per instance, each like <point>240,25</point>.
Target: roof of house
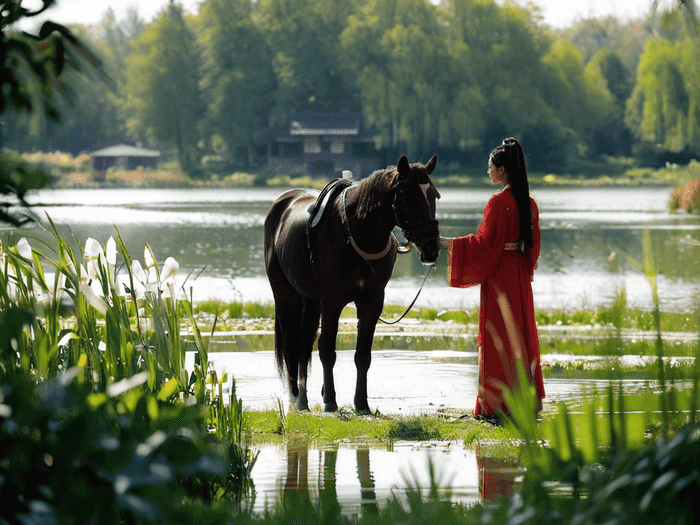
<point>124,150</point>
<point>311,123</point>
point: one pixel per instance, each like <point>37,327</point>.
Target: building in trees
<point>125,157</point>
<point>320,144</point>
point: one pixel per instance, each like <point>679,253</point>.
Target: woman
<point>501,257</point>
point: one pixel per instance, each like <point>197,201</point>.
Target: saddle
<point>319,206</point>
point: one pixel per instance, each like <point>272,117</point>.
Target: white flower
<point>170,268</point>
<point>94,256</point>
<point>150,264</point>
<point>24,249</point>
<point>60,286</point>
<point>138,272</point>
<point>96,302</point>
<point>111,258</point>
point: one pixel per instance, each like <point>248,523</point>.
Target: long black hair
<point>511,156</point>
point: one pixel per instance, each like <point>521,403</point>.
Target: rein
<point>392,240</point>
<point>412,302</point>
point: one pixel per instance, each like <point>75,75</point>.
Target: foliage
<point>162,79</point>
<point>237,79</point>
<point>130,455</point>
<point>32,76</point>
<point>126,332</point>
<point>453,78</point>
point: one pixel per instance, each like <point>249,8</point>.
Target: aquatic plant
<point>123,329</point>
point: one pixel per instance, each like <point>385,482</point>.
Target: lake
<point>216,235</point>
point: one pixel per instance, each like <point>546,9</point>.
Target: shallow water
<point>404,382</point>
<point>217,237</point>
<point>361,478</point>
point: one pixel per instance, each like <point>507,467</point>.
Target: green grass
<point>616,314</point>
<point>347,425</point>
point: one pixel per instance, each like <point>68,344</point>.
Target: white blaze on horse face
<point>425,187</point>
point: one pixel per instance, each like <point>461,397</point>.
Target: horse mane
<point>373,191</point>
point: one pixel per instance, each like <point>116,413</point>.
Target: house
<point>321,144</point>
<point>125,157</point>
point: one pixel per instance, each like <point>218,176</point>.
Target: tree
<point>414,81</point>
<point>238,81</point>
<point>659,106</point>
<point>32,72</point>
<point>607,70</point>
<point>303,36</point>
<point>162,78</point>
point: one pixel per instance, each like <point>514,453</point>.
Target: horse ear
<point>402,166</point>
<point>430,166</point>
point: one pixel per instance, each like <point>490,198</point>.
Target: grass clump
<point>236,310</point>
<point>345,424</point>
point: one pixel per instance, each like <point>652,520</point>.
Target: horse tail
<point>279,348</point>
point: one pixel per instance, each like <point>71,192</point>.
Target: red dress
<point>507,327</point>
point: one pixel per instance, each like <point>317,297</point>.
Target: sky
<point>557,13</point>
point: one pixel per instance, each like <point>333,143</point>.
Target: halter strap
<point>346,225</point>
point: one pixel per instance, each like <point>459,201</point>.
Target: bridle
<point>403,217</point>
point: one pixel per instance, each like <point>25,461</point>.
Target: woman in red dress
<point>502,257</point>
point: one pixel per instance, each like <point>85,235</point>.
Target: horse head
<point>414,206</point>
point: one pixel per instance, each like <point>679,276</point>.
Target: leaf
<point>118,388</point>
<point>169,389</point>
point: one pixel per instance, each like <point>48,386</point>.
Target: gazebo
<point>125,157</point>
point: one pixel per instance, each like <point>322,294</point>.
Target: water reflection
<point>355,478</point>
<point>364,474</point>
<point>498,473</point>
<point>298,485</point>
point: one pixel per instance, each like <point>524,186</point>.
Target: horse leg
<point>368,313</point>
<point>309,328</point>
<point>326,351</point>
<point>288,320</point>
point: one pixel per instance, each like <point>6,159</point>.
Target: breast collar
<point>346,225</point>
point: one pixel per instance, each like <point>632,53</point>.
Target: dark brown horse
<point>351,260</point>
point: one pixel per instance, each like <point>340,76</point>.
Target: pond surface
<point>217,237</point>
<point>407,382</point>
<point>361,478</point>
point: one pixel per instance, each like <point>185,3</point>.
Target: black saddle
<point>320,205</point>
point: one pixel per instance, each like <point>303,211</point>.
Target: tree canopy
<point>453,78</point>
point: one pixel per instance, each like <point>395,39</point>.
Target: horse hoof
<point>331,407</point>
<point>363,411</point>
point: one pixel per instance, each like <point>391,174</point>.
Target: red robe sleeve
<point>474,258</point>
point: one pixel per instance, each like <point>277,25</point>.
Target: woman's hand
<point>443,243</point>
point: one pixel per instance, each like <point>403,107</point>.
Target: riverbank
<point>68,172</point>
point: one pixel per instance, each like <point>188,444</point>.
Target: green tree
<point>414,82</point>
<point>303,36</point>
<point>505,50</point>
<point>162,77</point>
<point>32,79</point>
<point>659,107</point>
<point>238,81</point>
<point>607,71</point>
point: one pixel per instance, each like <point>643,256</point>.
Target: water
<point>217,237</point>
<point>362,478</point>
